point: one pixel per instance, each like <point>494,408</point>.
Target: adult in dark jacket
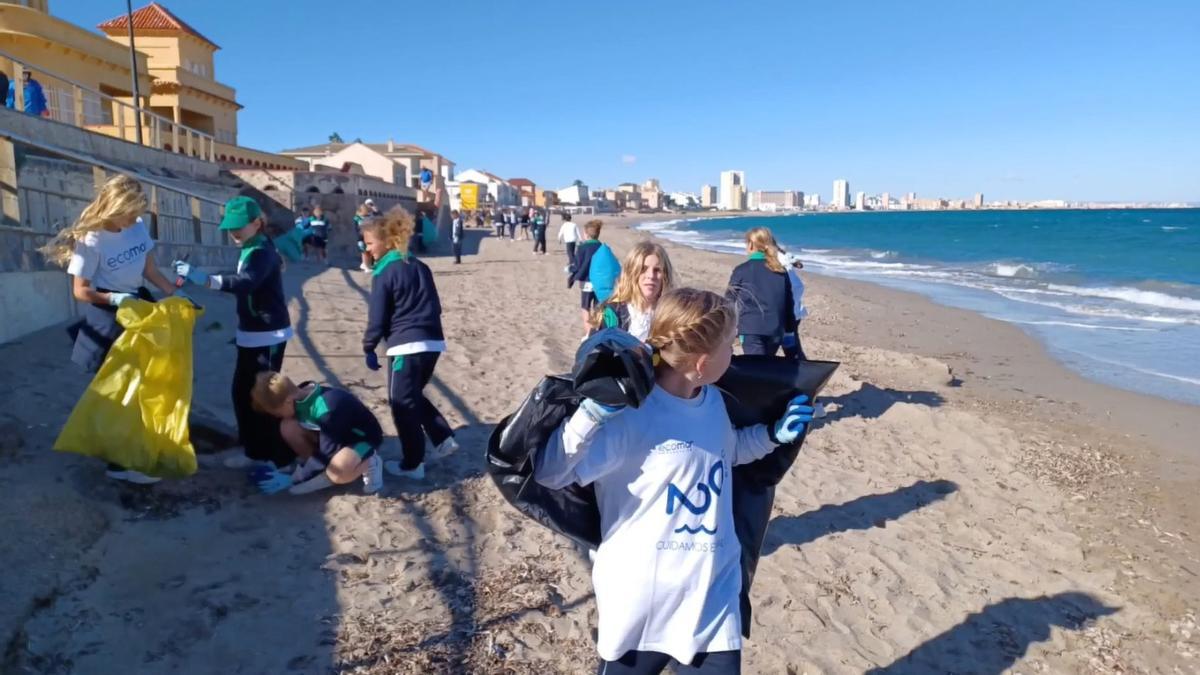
<point>406,313</point>
<point>763,295</point>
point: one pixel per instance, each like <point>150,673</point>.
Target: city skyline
<point>1063,101</point>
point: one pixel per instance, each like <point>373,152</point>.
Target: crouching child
<point>335,437</point>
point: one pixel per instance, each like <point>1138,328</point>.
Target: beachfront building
<point>860,201</point>
<point>683,200</point>
<point>775,200</point>
<point>708,196</point>
<point>731,198</point>
<point>575,194</point>
<point>885,201</point>
<point>500,191</point>
<point>978,201</point>
<point>411,158</point>
<point>653,197</point>
<point>841,194</point>
<point>545,198</point>
<point>526,190</point>
<point>371,161</point>
<point>812,201</point>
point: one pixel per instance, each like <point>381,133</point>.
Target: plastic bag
<point>135,411</point>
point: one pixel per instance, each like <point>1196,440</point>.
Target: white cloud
<point>628,159</point>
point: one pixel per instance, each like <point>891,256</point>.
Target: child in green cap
<point>263,326</point>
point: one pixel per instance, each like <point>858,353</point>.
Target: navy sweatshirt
<point>404,305</point>
<point>763,297</point>
<point>258,285</point>
<point>583,261</point>
<point>342,420</point>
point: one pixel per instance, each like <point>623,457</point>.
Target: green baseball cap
<point>240,212</point>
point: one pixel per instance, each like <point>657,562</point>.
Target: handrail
<point>204,148</point>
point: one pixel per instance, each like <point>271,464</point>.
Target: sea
<point>1113,294</point>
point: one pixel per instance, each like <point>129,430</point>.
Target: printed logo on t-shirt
<point>708,492</point>
<point>129,255</point>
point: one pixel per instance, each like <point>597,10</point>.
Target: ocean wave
<point>1172,228</point>
<point>1010,271</point>
<point>1089,326</point>
<point>881,255</point>
<point>1133,296</point>
<point>1139,369</point>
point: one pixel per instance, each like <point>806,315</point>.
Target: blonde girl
<point>405,312</point>
<point>365,210</point>
<point>107,252</point>
<point>645,275</point>
<point>760,288</point>
<point>667,572</point>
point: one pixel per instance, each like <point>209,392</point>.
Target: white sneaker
<point>393,468</point>
<point>372,478</point>
<point>131,476</point>
<point>445,448</point>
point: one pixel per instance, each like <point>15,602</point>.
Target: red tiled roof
<point>151,17</point>
<point>521,181</point>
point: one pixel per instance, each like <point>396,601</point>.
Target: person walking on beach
<point>317,238</point>
<point>645,276</point>
<point>365,210</point>
<point>334,436</point>
<point>456,236</point>
<point>759,287</point>
<point>539,234</point>
<point>406,313</point>
<point>568,235</point>
<point>662,474</point>
<point>498,221</point>
<point>108,253</point>
<point>583,268</point>
<point>792,347</point>
<point>511,218</point>
<point>263,327</point>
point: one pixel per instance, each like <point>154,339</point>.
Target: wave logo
<point>708,490</point>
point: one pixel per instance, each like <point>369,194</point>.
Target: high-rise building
<point>775,200</point>
<point>729,180</point>
<point>812,201</point>
<point>708,196</point>
<point>885,201</point>
<point>979,200</point>
<point>841,194</point>
<point>860,201</point>
<point>737,198</point>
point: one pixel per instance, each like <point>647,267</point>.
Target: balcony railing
<point>73,103</point>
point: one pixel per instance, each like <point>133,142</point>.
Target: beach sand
<point>967,506</point>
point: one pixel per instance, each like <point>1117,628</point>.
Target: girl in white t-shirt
<point>667,573</point>
<point>107,252</point>
<point>645,276</point>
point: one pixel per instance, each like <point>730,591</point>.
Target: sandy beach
<point>968,506</point>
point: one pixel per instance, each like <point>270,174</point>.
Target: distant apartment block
<point>978,200</point>
<point>733,199</point>
<point>775,200</point>
<point>708,196</point>
<point>860,201</point>
<point>841,194</point>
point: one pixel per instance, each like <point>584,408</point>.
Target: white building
<point>860,201</point>
<point>841,194</point>
<point>501,191</point>
<point>776,200</point>
<point>708,196</point>
<point>732,199</point>
<point>885,201</point>
<point>812,201</point>
<point>684,200</point>
<point>574,194</point>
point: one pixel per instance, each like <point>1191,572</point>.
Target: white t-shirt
<point>113,260</point>
<point>569,232</point>
<point>798,308</point>
<point>639,322</point>
<point>668,572</point>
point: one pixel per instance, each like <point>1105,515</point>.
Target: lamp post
<point>137,97</point>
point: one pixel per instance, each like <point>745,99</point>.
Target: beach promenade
<point>967,505</point>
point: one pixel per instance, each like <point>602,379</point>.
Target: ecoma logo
<point>132,254</point>
<point>707,490</point>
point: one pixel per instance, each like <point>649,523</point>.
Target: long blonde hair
<point>395,227</point>
<point>689,323</point>
<point>627,290</point>
<point>121,198</point>
<point>760,240</point>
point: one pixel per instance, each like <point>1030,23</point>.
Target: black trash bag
<point>613,368</point>
<point>756,390</point>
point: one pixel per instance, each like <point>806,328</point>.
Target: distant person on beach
<point>568,235</point>
<point>317,239</point>
<point>35,98</point>
<point>583,269</point>
<point>667,574</point>
<point>479,218</point>
<point>511,217</point>
<point>365,210</point>
<point>759,287</point>
<point>792,347</point>
<point>334,436</point>
<point>405,312</point>
<point>645,276</point>
<point>108,253</point>
<point>263,327</point>
<point>302,219</point>
<point>539,234</point>
<point>526,221</point>
<point>498,222</point>
<point>456,235</point>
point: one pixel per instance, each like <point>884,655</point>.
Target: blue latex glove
<point>794,419</point>
<point>598,411</point>
<point>191,273</point>
<point>372,360</point>
<point>273,481</point>
<point>115,299</point>
<point>362,247</point>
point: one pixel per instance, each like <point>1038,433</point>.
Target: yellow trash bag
<point>135,411</point>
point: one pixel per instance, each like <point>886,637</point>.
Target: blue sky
<point>1019,99</point>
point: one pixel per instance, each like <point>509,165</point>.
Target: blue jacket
<point>258,285</point>
<point>342,420</point>
<point>763,298</point>
<point>582,267</point>
<point>404,305</point>
<point>35,99</point>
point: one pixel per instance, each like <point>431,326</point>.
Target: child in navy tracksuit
<point>335,437</point>
<point>582,267</point>
<point>763,296</point>
<point>263,326</point>
<point>405,311</point>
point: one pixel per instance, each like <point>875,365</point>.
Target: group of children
<point>296,437</point>
<point>661,472</point>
